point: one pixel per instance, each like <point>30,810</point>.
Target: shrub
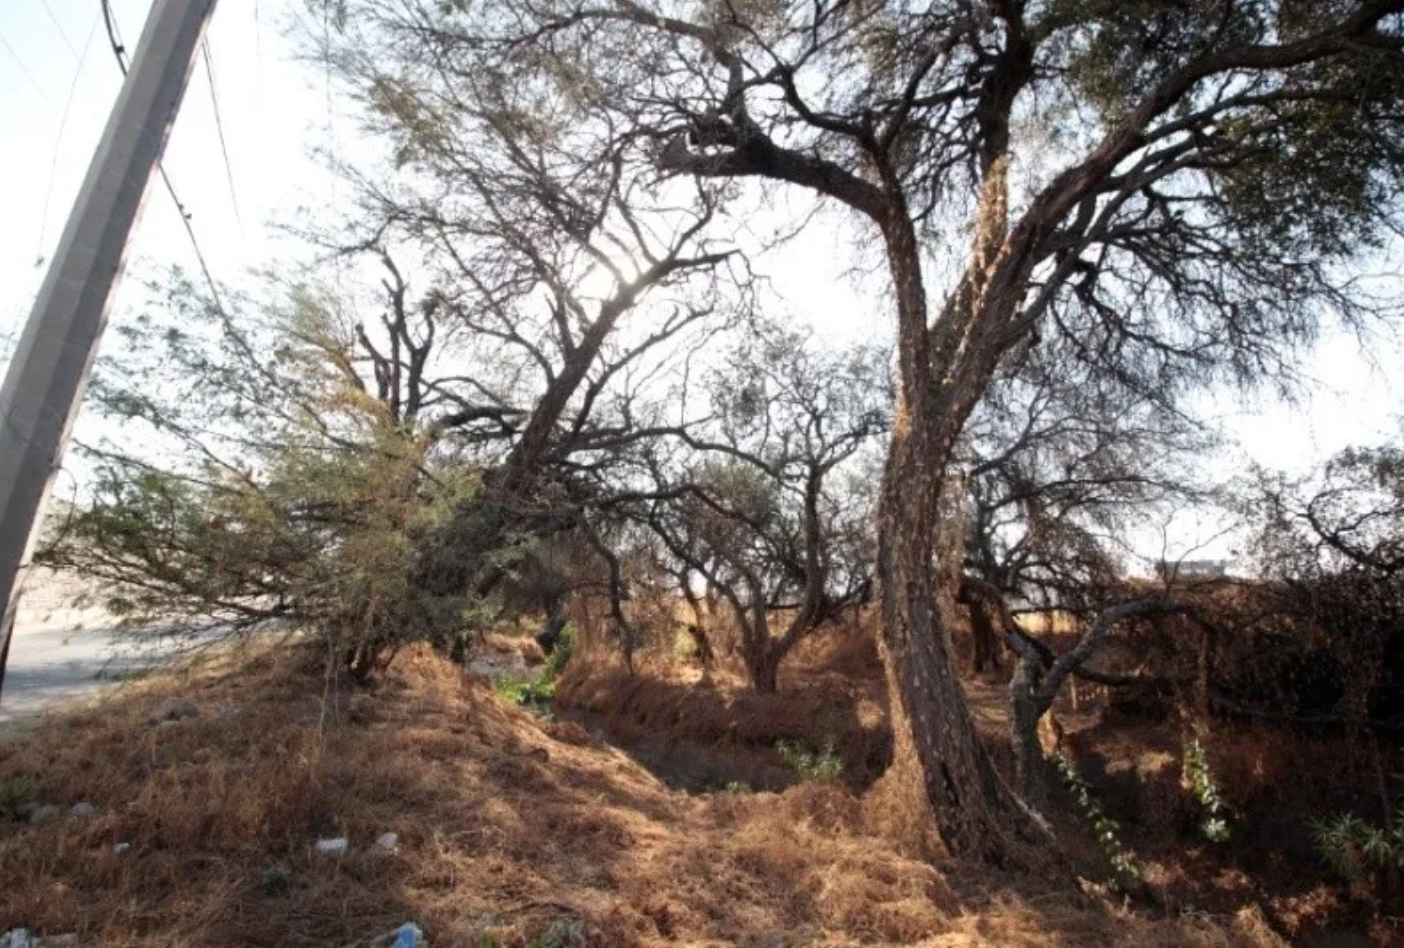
<point>535,694</point>
<point>556,662</point>
<point>824,765</point>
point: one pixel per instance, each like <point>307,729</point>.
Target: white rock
<point>121,848</point>
<point>390,842</point>
<point>41,814</point>
<point>17,938</point>
<point>82,809</point>
<point>336,846</point>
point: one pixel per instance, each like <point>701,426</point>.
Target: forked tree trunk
<point>975,813</point>
<point>765,671</point>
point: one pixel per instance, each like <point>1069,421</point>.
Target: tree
<point>761,499</point>
<point>274,462</point>
<point>1350,516</point>
<point>486,388</point>
<point>1331,544</point>
<point>528,219</point>
<point>1166,189</point>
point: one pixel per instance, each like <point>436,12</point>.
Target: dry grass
<point>702,731</point>
<point>506,824</point>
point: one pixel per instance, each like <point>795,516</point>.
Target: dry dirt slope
<point>508,826</point>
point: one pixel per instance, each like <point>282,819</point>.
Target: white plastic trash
<point>336,846</point>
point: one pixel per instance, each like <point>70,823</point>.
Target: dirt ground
<point>533,832</point>
<point>701,731</point>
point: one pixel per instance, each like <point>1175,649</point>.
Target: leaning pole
<point>46,378</point>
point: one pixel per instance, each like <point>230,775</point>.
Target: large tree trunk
<point>975,812</point>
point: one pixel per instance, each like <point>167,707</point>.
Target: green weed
<point>824,765</point>
<point>1216,822</point>
<point>1125,872</point>
<point>1351,846</point>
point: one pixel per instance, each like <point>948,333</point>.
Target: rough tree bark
<point>975,813</point>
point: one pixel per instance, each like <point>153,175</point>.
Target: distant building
<point>1192,569</point>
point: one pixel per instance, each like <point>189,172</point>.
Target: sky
<point>59,78</point>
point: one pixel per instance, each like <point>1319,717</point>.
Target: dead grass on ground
<point>507,825</point>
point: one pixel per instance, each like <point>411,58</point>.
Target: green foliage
<point>1215,825</point>
<point>288,490</point>
<point>16,794</point>
<point>1326,196</point>
<point>536,693</point>
<point>824,765</point>
<point>1351,846</point>
<point>1125,872</point>
<point>1119,49</point>
<point>1308,170</point>
<point>560,656</point>
<point>737,787</point>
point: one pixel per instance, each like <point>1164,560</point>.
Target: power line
<point>114,36</point>
<point>219,127</point>
<point>25,69</point>
<point>58,140</point>
<point>59,26</point>
<point>119,50</point>
<point>258,55</point>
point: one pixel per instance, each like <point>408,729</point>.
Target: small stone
<point>121,849</point>
<point>82,809</point>
<point>172,709</point>
<point>336,846</point>
<point>41,814</point>
<point>390,842</point>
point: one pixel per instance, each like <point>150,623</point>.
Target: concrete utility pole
<point>49,370</point>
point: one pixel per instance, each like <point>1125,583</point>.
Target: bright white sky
<point>58,79</point>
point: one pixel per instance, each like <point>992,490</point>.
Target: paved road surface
<point>64,652</point>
